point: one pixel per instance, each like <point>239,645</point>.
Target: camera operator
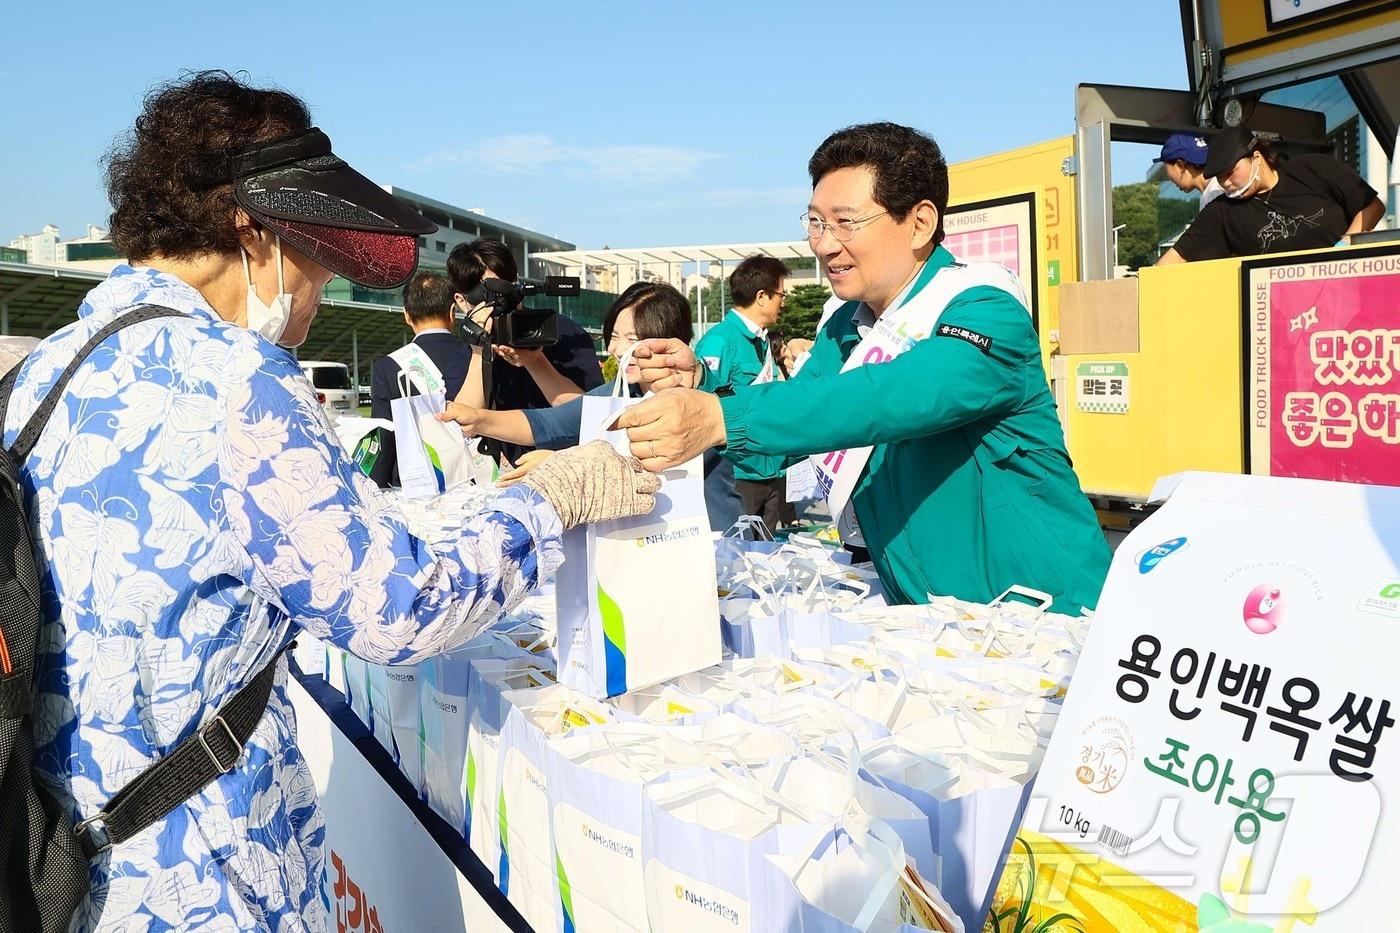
<point>534,378</point>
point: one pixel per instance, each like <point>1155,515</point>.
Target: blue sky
<point>618,123</point>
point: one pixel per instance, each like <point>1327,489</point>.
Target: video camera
<point>513,324</point>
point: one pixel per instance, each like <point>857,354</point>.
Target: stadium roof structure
<point>672,255</point>
<point>37,300</point>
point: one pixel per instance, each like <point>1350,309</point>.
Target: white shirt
<point>760,332</point>
<point>1213,191</point>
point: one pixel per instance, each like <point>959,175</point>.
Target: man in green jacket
<point>735,353</point>
<point>965,488</point>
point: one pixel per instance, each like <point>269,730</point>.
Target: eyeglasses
<point>843,230</point>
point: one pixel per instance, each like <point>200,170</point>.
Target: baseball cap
<point>1188,147</point>
<point>315,201</point>
<point>1226,148</point>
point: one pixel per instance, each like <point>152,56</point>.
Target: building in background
<point>695,270</point>
<point>355,324</point>
<point>93,250</point>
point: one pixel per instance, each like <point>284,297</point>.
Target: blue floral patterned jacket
<point>193,511</point>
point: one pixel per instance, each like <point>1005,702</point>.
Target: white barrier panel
<point>384,872</point>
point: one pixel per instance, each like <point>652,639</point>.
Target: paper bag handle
<point>749,523</point>
<point>619,387</point>
<point>1043,600</point>
<point>888,852</point>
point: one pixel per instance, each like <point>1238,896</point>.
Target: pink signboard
<point>1000,230</point>
<point>1322,366</point>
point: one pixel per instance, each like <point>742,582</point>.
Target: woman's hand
<point>793,350</point>
<point>524,467</point>
<point>524,358</point>
<point>665,364</point>
<point>465,415</point>
<point>594,483</point>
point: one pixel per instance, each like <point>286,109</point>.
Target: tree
<point>1135,206</point>
<point>802,312</point>
<point>1173,214</point>
<point>799,317</point>
<point>713,309</point>
<point>1150,219</point>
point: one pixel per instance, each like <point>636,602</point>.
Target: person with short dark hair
<point>924,405</point>
<point>428,306</point>
<point>1311,201</point>
<point>469,263</point>
<point>737,353</point>
<point>644,310</point>
<point>1183,158</point>
<point>531,378</point>
<point>195,514</point>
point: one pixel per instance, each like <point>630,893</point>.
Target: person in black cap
<point>194,513</point>
<point>1309,202</point>
<point>1183,158</point>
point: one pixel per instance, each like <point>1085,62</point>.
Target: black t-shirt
<point>1310,208</point>
<point>572,354</point>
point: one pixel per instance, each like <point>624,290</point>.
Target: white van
<point>333,387</point>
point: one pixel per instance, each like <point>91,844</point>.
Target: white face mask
<point>268,320</point>
<point>1253,177</point>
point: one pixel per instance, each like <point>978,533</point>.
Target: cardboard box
<point>1229,737</point>
<point>1099,317</point>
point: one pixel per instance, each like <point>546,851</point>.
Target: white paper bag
<point>666,704</point>
<point>311,656</point>
<point>406,721</point>
<point>442,689</point>
<point>853,876</point>
<point>811,720</point>
<point>705,842</point>
<point>336,674</point>
<point>381,718</point>
<point>357,688</point>
<point>432,455</point>
<point>596,783</point>
<point>829,781</point>
<point>482,469</point>
<point>637,597</point>
<point>526,870</point>
<point>488,681</point>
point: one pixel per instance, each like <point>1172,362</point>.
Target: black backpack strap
<point>29,434</point>
<point>217,745</point>
<point>19,629</point>
<point>198,759</point>
<point>7,386</point>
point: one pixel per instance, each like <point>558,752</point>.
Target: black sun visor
<point>315,201</point>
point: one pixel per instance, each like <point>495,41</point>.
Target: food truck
<point>1281,365</point>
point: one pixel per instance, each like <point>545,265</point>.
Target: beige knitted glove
<point>594,483</point>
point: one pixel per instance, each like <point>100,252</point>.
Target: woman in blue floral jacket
<point>194,511</point>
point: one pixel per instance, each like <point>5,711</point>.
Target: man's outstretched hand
<point>673,427</point>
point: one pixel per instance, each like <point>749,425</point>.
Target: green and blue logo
<point>614,644</point>
<point>566,894</point>
<point>439,476</point>
<point>503,868</point>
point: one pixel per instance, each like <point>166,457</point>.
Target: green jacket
<point>733,356</point>
<point>969,489</point>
